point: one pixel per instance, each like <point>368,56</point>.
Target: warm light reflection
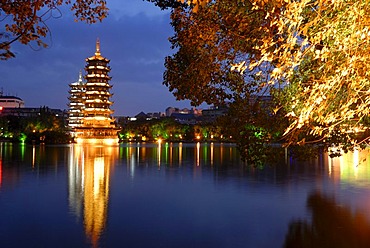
<point>330,165</point>
<point>174,154</point>
<point>159,153</point>
<point>180,153</point>
<point>75,180</point>
<point>102,141</point>
<point>88,175</point>
<point>198,153</point>
<point>98,175</point>
<point>356,162</point>
<point>352,167</point>
<point>33,156</point>
<point>171,153</point>
<point>212,148</point>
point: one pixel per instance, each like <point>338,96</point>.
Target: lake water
<point>179,195</point>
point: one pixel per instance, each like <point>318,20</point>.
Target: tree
<point>324,53</point>
<point>209,41</point>
<point>25,21</point>
<point>317,49</point>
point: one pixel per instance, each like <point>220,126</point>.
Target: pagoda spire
<point>80,76</point>
<point>97,52</point>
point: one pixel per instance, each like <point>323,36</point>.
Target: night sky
<point>134,37</point>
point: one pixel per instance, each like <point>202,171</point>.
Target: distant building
<point>147,116</point>
<point>14,106</point>
<point>11,102</point>
<point>155,115</point>
<point>32,112</point>
<point>196,112</point>
<point>171,110</point>
<point>211,114</point>
<point>190,119</point>
<point>141,116</point>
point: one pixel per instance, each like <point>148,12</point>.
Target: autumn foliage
<point>311,56</point>
<point>26,21</point>
<point>324,50</point>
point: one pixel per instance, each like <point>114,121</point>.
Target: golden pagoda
<point>98,125</point>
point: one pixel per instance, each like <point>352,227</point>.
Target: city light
<point>100,141</point>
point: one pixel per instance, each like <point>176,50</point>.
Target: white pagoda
<point>76,102</point>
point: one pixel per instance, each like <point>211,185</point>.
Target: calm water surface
<point>179,195</point>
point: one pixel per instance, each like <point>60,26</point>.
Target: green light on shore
<point>22,138</point>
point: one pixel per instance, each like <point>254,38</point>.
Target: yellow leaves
<point>239,67</point>
<point>338,38</point>
<point>267,15</point>
<point>259,4</point>
<point>276,72</point>
<point>320,99</point>
<point>195,3</point>
<point>291,114</point>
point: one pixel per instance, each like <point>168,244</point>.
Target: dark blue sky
<point>134,37</point>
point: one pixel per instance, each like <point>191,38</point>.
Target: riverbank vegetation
<point>168,129</point>
<point>42,128</point>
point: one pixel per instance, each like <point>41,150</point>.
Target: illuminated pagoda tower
<point>76,103</point>
<point>97,123</point>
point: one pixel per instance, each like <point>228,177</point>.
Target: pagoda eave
<point>97,57</point>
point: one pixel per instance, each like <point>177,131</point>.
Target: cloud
<point>134,37</point>
<point>132,8</point>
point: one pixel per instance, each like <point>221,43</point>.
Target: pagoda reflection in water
<point>97,124</point>
<point>88,189</point>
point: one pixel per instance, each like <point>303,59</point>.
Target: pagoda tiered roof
<point>97,121</point>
